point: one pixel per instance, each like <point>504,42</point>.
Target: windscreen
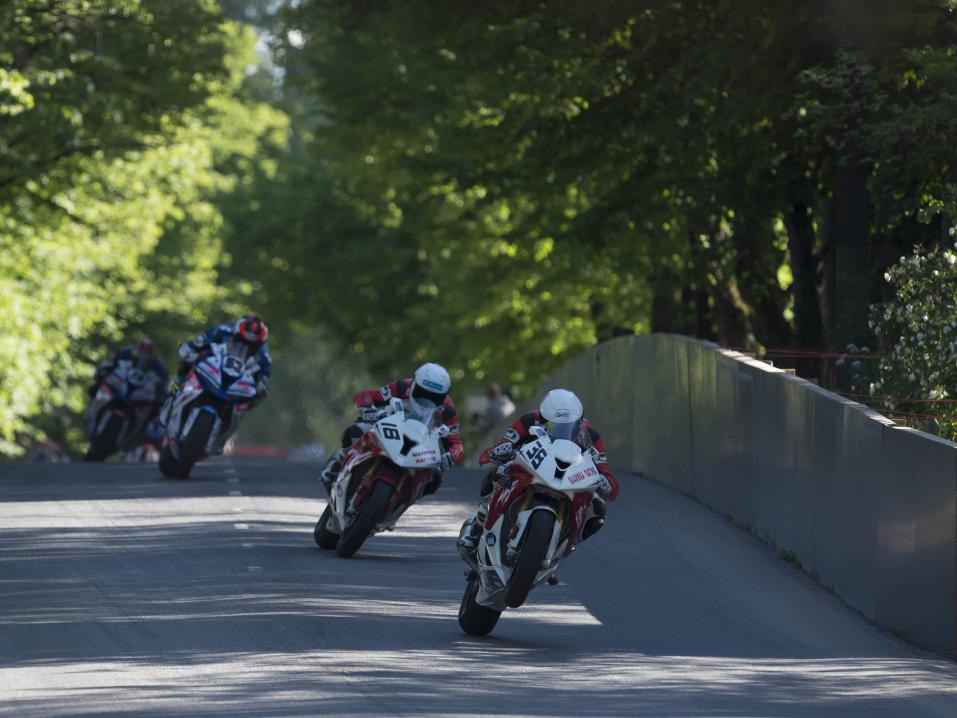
<point>423,410</point>
<point>568,430</point>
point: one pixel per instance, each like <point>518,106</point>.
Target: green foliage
<point>109,225</point>
<point>922,316</point>
<point>521,180</point>
<point>310,393</point>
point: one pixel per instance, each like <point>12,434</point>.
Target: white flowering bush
<point>920,326</point>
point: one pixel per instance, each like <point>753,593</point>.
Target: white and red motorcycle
<point>207,409</point>
<point>535,519</point>
<point>382,476</point>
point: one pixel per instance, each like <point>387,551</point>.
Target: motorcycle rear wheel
<point>104,443</point>
<point>323,536</point>
<point>193,446</point>
<point>369,514</point>
<point>475,619</point>
<point>538,535</point>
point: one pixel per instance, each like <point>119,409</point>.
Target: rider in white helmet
<point>428,387</point>
<point>560,412</point>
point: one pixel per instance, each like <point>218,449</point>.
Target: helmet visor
<point>425,395</point>
<point>567,430</point>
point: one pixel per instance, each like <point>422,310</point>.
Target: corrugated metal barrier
<point>867,508</point>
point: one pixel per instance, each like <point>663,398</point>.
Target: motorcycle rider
<point>251,330</point>
<point>561,413</point>
<point>428,387</point>
<point>143,357</point>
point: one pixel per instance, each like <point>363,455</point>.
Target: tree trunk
<point>808,320</point>
<point>853,265</point>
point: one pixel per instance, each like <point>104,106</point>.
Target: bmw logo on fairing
<point>490,539</point>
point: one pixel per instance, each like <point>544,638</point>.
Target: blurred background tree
<point>494,186</point>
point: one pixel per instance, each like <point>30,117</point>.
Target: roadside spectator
<point>500,407</point>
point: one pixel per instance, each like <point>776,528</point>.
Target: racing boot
<point>470,534</point>
<point>596,521</point>
<point>331,471</point>
<point>162,418</point>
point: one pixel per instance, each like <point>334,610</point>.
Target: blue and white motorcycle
<point>119,414</point>
<point>207,410</point>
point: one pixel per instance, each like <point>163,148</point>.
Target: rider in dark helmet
<point>143,356</point>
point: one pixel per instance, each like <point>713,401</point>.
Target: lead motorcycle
<point>119,414</point>
<point>535,519</point>
<point>208,407</point>
<point>384,474</point>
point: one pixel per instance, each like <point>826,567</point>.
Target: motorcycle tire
<point>193,446</point>
<point>475,619</point>
<point>538,535</point>
<point>369,514</point>
<point>104,443</point>
<point>167,462</point>
<point>323,536</point>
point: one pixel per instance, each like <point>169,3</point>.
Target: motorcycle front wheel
<point>104,443</point>
<point>538,536</point>
<point>193,447</point>
<point>167,462</point>
<point>323,536</point>
<point>475,619</point>
<point>369,514</point>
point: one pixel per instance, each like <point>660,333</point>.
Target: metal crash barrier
<point>866,507</point>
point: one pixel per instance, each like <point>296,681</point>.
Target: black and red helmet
<point>252,330</point>
<point>146,347</point>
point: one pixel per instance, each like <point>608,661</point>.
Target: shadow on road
<point>153,597</point>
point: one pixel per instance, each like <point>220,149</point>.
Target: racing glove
<point>187,355</point>
<point>447,462</point>
<point>503,452</point>
<point>370,414</point>
<point>604,487</point>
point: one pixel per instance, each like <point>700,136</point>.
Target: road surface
<point>123,593</point>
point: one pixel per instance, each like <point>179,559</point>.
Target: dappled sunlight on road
<point>211,598</point>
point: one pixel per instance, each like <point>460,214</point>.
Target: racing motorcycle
<point>117,418</point>
<point>535,519</point>
<point>208,407</point>
<point>382,476</point>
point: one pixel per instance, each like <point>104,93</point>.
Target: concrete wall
<point>868,508</point>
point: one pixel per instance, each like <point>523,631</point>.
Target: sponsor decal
<point>433,385</point>
<point>425,456</point>
<point>562,413</point>
<point>490,539</point>
<point>582,475</point>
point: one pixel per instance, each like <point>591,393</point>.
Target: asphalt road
<point>123,593</point>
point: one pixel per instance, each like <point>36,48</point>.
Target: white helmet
<point>562,412</point>
<point>430,386</point>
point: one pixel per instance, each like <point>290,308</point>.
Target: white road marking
<point>241,527</point>
<point>235,493</point>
